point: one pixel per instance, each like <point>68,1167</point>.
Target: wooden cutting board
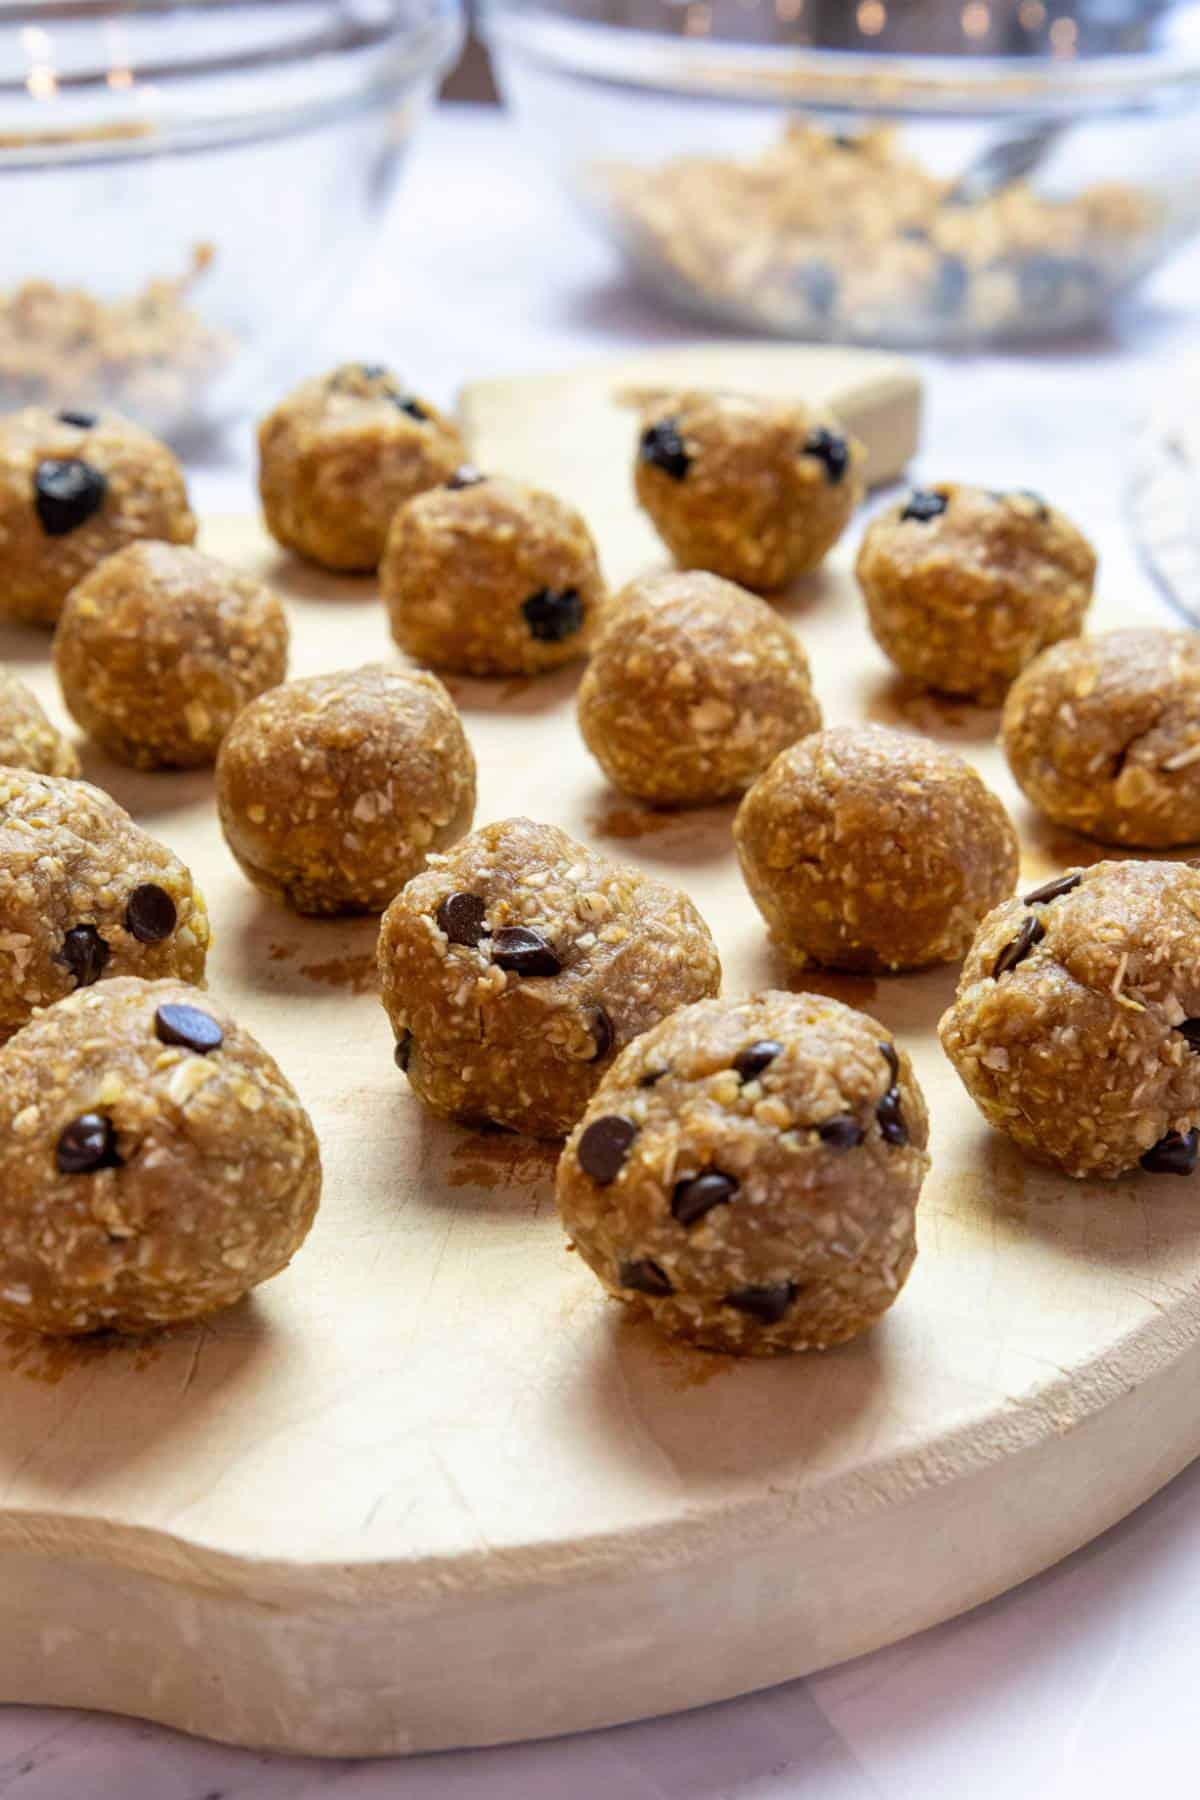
<point>430,1487</point>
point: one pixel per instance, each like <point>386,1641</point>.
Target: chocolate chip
<point>1032,932</point>
<point>463,919</point>
<point>601,1028</point>
<point>465,476</point>
<point>66,492</point>
<point>83,420</point>
<point>1049,283</point>
<point>644,1277</point>
<point>818,285</point>
<point>892,1128</point>
<point>662,446</point>
<point>86,1144</point>
<point>188,1027</point>
<point>923,504</point>
<point>913,234</point>
<point>1175,1154</point>
<point>85,953</point>
<point>150,914</point>
<point>406,404</point>
<point>1036,501</point>
<point>402,1054</point>
<point>830,448</point>
<point>1190,1029</point>
<point>844,141</point>
<point>843,1131</point>
<point>766,1304</point>
<point>372,371</point>
<point>602,1149</point>
<point>524,952</point>
<point>950,287</point>
<point>651,1078</point>
<point>553,614</point>
<point>751,1061</point>
<point>698,1194</point>
<point>1053,890</point>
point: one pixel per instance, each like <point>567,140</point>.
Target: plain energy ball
<point>748,1171</point>
<point>334,790</point>
<point>74,487</point>
<point>1103,735</point>
<point>85,895</point>
<point>1076,1026</point>
<point>160,647</point>
<point>865,849</point>
<point>154,1163</point>
<point>964,586</point>
<point>518,965</point>
<point>693,688</point>
<point>488,577</point>
<point>340,454</point>
<point>27,738</point>
<point>756,490</point>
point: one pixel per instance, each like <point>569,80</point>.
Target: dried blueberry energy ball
<point>332,791</point>
<point>1103,735</point>
<point>487,577</point>
<point>964,586</point>
<point>755,490</point>
<point>694,686</point>
<point>865,849</point>
<point>154,1163</point>
<point>85,895</point>
<point>340,454</point>
<point>747,1174</point>
<point>1076,1026</point>
<point>160,647</point>
<point>27,738</point>
<point>74,487</point>
<point>518,965</point>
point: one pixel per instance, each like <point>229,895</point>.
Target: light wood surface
<point>429,1487</point>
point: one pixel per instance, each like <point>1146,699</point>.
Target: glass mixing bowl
<point>187,183</point>
<point>907,172</point>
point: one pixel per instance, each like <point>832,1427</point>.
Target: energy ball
<point>487,577</point>
<point>160,647</point>
<point>747,1174</point>
<point>27,738</point>
<point>74,487</point>
<point>1076,1026</point>
<point>693,688</point>
<point>1103,735</point>
<point>334,790</point>
<point>964,586</point>
<point>154,1163</point>
<point>755,490</point>
<point>868,850</point>
<point>85,895</point>
<point>515,968</point>
<point>340,454</point>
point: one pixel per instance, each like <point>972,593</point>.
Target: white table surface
<point>1083,1682</point>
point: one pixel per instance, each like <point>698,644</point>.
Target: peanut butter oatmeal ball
<point>74,487</point>
<point>27,738</point>
<point>748,1171</point>
<point>488,577</point>
<point>85,894</point>
<point>155,1165</point>
<point>866,849</point>
<point>160,647</point>
<point>340,454</point>
<point>756,490</point>
<point>693,688</point>
<point>332,791</point>
<point>1076,1026</point>
<point>1103,735</point>
<point>515,968</point>
<point>964,585</point>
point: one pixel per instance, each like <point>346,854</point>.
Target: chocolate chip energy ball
<point>27,738</point>
<point>74,487</point>
<point>756,490</point>
<point>964,586</point>
<point>747,1174</point>
<point>866,849</point>
<point>160,647</point>
<point>340,454</point>
<point>154,1163</point>
<point>487,577</point>
<point>515,968</point>
<point>334,790</point>
<point>693,688</point>
<point>85,894</point>
<point>1076,1027</point>
<point>1103,734</point>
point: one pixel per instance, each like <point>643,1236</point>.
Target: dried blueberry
<point>66,492</point>
<point>924,504</point>
<point>1174,1154</point>
<point>698,1194</point>
<point>662,447</point>
<point>830,448</point>
<point>766,1304</point>
<point>85,953</point>
<point>645,1277</point>
<point>553,614</point>
<point>1017,949</point>
<point>88,1143</point>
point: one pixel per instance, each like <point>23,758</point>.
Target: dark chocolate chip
<point>913,234</point>
<point>86,1144</point>
<point>1053,890</point>
<point>1175,1154</point>
<point>950,287</point>
<point>644,1277</point>
<point>1017,949</point>
<point>85,953</point>
<point>402,1054</point>
<point>923,504</point>
<point>465,476</point>
<point>373,371</point>
<point>843,1132</point>
<point>524,952</point>
<point>751,1061</point>
<point>84,421</point>
<point>553,614</point>
<point>603,1147</point>
<point>766,1304</point>
<point>845,141</point>
<point>818,284</point>
<point>891,1058</point>
<point>1036,501</point>
<point>662,446</point>
<point>892,1128</point>
<point>188,1027</point>
<point>66,492</point>
<point>150,914</point>
<point>698,1194</point>
<point>463,919</point>
<point>601,1028</point>
<point>651,1078</point>
<point>830,448</point>
<point>406,404</point>
<point>1190,1029</point>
